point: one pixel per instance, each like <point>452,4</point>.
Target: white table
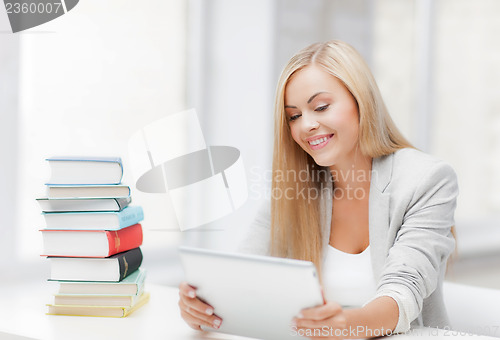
<point>22,316</point>
<point>23,309</point>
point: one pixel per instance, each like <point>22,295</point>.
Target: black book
<point>113,269</point>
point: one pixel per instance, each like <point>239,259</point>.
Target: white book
<point>85,170</point>
<point>87,191</point>
<point>95,300</point>
<point>104,311</point>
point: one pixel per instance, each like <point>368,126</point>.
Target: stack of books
<point>92,238</point>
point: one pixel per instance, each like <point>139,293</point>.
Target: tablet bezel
<point>274,290</point>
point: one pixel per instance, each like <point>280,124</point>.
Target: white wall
<point>9,135</point>
<point>233,93</point>
<point>88,80</point>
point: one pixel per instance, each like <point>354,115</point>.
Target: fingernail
<point>299,316</point>
<point>191,294</point>
<point>294,324</point>
<point>209,311</point>
<point>216,323</point>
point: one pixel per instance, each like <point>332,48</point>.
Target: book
<point>114,268</point>
<point>87,191</point>
<point>83,204</point>
<point>131,285</point>
<point>90,243</point>
<point>95,300</point>
<point>85,170</point>
<point>100,220</point>
<point>104,311</point>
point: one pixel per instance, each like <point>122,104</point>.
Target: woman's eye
<point>322,108</point>
<point>294,117</point>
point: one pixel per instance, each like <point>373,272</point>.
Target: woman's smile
<point>319,142</point>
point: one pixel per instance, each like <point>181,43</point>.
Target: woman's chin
<point>323,162</point>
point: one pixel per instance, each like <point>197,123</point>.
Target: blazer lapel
<point>379,213</point>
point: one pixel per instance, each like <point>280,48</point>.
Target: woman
<point>377,215</point>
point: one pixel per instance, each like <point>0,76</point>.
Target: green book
<point>131,285</point>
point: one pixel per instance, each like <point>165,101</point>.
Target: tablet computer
<point>256,296</point>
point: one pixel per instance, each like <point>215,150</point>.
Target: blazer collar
<point>379,210</point>
<point>382,171</point>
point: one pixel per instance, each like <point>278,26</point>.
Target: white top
<point>348,278</point>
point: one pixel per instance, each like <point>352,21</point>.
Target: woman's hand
<point>195,312</point>
<point>327,321</point>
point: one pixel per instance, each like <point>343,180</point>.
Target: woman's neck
<point>353,173</point>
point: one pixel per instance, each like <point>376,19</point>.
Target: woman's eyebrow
<point>314,96</point>
<point>308,102</point>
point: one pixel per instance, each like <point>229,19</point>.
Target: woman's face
<point>323,116</point>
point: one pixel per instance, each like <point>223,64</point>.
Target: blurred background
<point>85,82</point>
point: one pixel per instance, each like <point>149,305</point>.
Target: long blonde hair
<point>296,223</point>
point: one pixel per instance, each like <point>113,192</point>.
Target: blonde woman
<point>373,213</point>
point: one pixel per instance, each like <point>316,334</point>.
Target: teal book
<point>83,204</point>
<point>97,220</point>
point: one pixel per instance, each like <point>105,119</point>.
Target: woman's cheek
<point>296,138</point>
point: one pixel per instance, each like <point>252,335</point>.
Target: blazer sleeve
<point>423,244</point>
<point>258,237</point>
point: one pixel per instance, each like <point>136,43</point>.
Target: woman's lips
<point>316,143</point>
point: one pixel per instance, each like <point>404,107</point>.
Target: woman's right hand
<point>195,312</point>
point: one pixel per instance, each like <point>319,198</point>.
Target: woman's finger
<point>187,290</point>
<point>335,322</point>
<point>193,316</point>
<point>322,312</point>
<point>198,305</point>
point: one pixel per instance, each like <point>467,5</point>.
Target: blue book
<point>100,220</point>
<point>68,170</point>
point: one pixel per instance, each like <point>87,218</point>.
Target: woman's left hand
<point>327,321</point>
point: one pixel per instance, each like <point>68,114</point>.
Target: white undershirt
<point>348,278</point>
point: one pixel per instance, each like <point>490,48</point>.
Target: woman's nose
<point>310,123</point>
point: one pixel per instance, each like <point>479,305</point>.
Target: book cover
<point>130,285</point>
<point>99,311</point>
<point>101,220</point>
<point>114,268</point>
<point>96,300</point>
<point>85,170</point>
<point>87,191</point>
<point>83,204</point>
<point>90,243</point>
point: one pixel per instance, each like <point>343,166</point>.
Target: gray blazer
<point>411,207</point>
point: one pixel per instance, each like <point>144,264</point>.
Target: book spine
<point>124,239</point>
<point>121,167</point>
<point>129,262</point>
<point>130,215</point>
<point>123,202</point>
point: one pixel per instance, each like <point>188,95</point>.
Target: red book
<point>90,243</point>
